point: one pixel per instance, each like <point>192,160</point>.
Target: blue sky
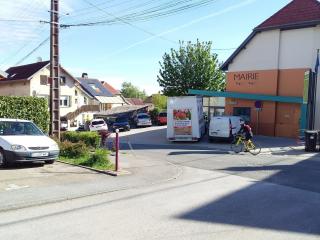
<point>123,52</point>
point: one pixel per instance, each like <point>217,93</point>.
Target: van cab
<point>224,127</point>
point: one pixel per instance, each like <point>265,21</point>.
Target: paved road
<point>175,192</point>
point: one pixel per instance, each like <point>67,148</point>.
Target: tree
<point>193,66</point>
<point>128,90</point>
<point>159,101</point>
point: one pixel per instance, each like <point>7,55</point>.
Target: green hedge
<point>73,150</point>
<point>28,108</point>
<point>91,139</point>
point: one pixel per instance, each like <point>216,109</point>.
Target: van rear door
<point>220,127</point>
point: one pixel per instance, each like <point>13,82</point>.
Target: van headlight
<point>18,148</point>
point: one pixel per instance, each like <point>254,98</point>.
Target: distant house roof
<point>94,87</point>
<point>110,88</point>
<point>297,14</point>
<point>25,71</point>
<point>135,101</point>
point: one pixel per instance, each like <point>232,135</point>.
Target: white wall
<point>261,53</point>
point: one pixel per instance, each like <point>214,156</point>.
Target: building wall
<point>274,63</point>
<point>65,90</point>
<point>21,88</point>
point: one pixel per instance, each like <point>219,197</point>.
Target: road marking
<point>15,187</point>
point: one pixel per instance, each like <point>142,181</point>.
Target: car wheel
<point>3,162</point>
<point>49,161</point>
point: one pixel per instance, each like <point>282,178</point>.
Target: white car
<point>143,120</point>
<point>98,124</point>
<point>23,141</point>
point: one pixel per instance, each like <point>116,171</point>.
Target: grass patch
<point>99,159</point>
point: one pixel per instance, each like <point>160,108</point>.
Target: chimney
<point>39,59</point>
<point>85,75</point>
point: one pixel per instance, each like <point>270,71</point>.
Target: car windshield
<point>122,119</point>
<point>8,128</point>
<point>162,114</point>
<point>143,116</point>
<point>97,122</point>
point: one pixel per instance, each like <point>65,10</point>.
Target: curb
<point>107,172</point>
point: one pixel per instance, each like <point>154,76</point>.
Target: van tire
<point>49,161</point>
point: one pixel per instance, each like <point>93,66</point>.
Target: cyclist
<point>246,131</point>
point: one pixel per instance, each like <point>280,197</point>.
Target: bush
<point>28,108</point>
<point>99,159</point>
<point>91,139</point>
<point>73,150</point>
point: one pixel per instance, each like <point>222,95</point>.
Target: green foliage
<point>91,139</point>
<point>154,114</point>
<point>192,66</point>
<point>73,150</point>
<point>28,108</point>
<point>128,90</point>
<point>159,101</point>
<point>98,160</point>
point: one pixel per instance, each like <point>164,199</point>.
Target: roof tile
<point>296,12</point>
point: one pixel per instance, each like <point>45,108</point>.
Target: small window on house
<point>64,101</point>
<point>62,80</point>
<point>85,100</point>
<point>43,80</point>
<point>76,101</point>
<point>75,92</point>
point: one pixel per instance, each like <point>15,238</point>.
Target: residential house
<point>33,80</point>
<point>107,99</point>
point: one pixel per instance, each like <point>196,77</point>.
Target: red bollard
<point>117,150</point>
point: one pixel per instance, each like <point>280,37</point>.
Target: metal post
<point>117,150</point>
<point>54,71</point>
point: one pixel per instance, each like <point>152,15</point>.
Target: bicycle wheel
<point>236,147</point>
<point>254,148</point>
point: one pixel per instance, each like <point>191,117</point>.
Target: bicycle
<point>239,144</point>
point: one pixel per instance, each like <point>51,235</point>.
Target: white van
<point>224,127</point>
<point>185,120</point>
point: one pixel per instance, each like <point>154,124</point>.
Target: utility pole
<point>54,71</point>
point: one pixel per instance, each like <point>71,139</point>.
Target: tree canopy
<point>192,66</point>
<point>128,90</point>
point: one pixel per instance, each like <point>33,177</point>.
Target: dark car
<point>81,128</point>
<point>121,123</point>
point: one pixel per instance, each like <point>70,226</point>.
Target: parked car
<point>81,128</point>
<point>121,123</point>
<point>224,127</point>
<point>143,120</point>
<point>162,118</point>
<point>23,141</point>
<point>63,126</point>
<point>98,124</point>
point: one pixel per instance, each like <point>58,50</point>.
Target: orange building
<point>268,75</point>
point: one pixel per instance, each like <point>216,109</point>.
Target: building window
<point>75,92</point>
<point>43,80</point>
<point>85,100</point>
<point>62,80</point>
<point>64,101</point>
<point>243,112</point>
<point>76,101</point>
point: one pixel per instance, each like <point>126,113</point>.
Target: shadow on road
<point>23,165</point>
<point>270,206</point>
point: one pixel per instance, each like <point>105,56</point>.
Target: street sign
<point>258,104</point>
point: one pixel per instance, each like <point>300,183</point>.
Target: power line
<point>33,50</point>
<point>164,9</point>
<point>128,23</point>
